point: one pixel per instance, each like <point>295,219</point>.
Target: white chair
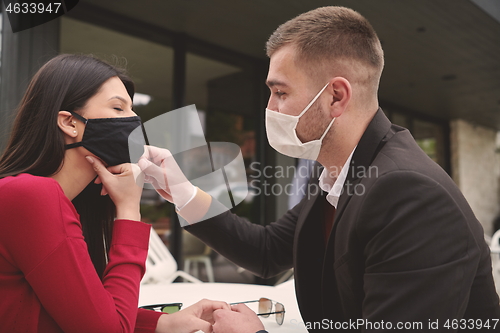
<point>495,258</point>
<point>196,252</point>
<point>161,267</point>
<point>203,259</point>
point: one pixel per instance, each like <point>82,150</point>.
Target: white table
<point>190,293</point>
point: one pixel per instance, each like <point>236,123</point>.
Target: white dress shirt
<point>334,185</point>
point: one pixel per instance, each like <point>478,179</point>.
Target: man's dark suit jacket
<point>405,245</point>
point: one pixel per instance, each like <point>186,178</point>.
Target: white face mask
<point>281,134</point>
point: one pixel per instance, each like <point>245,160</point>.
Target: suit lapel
<point>305,212</point>
<point>308,253</point>
<point>374,138</point>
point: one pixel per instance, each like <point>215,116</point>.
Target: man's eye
<point>118,109</point>
<point>279,93</point>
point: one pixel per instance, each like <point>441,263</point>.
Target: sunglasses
<point>165,308</point>
<point>266,309</point>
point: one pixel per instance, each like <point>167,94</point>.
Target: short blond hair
<point>331,36</point>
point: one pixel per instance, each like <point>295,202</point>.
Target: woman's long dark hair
<point>36,145</point>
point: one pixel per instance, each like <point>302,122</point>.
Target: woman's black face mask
<point>107,138</point>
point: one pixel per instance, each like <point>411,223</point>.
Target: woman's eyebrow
<point>121,99</point>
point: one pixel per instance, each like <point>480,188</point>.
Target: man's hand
<point>238,320</point>
<point>161,170</point>
<point>198,316</point>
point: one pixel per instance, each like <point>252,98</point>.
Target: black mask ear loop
<point>83,120</point>
<point>76,115</point>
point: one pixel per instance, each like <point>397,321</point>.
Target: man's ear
<point>339,93</point>
<point>67,124</point>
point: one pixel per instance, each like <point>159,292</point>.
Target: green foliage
<point>154,212</point>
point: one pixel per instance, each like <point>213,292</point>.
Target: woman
<point>71,259</point>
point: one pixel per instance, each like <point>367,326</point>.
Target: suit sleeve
<point>263,250</point>
<point>420,256</point>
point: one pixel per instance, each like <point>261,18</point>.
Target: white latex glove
<point>162,171</point>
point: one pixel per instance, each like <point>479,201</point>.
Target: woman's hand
<point>198,316</point>
<point>123,183</point>
<point>161,170</point>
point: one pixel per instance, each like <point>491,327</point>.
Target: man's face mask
<point>107,138</point>
<point>282,135</point>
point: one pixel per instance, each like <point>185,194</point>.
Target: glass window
<point>224,95</point>
<point>430,138</point>
<point>149,64</point>
<point>400,119</point>
<point>429,135</point>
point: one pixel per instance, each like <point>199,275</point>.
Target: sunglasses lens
<point>170,309</point>
<point>265,306</point>
<point>280,313</point>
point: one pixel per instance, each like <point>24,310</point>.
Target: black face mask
<point>108,138</point>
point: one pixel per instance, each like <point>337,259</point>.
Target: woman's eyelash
<point>119,109</point>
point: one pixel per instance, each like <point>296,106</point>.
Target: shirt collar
<point>334,186</point>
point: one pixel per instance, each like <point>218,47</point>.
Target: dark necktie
<point>328,220</point>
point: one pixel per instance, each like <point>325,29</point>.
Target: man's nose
<point>271,104</point>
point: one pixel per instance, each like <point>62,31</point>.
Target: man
<point>390,239</point>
